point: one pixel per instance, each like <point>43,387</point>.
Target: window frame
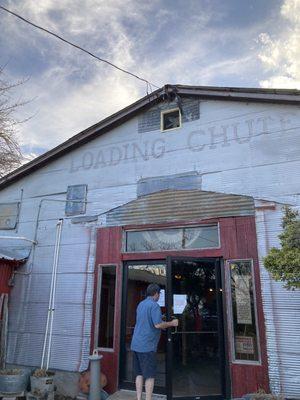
<point>98,308</point>
<point>83,201</point>
<point>124,239</point>
<point>6,218</point>
<point>164,112</point>
<point>234,360</point>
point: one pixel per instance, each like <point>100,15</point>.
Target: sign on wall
<point>243,299</point>
<point>244,344</point>
<point>244,324</point>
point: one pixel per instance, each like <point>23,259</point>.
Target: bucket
<point>42,385</point>
<point>14,383</point>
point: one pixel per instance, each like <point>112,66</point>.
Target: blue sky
<point>251,43</point>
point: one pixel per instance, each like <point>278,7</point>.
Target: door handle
<point>175,327</point>
<point>175,330</point>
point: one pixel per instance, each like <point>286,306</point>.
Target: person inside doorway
<point>145,340</point>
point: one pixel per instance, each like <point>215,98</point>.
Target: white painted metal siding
<point>282,313</point>
<point>234,147</point>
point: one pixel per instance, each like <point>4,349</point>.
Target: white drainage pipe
<point>51,307</point>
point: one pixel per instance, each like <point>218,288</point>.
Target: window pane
<point>107,306</point>
<point>243,311</point>
<point>171,120</point>
<point>173,239</point>
<point>77,193</point>
<point>139,277</point>
<point>9,214</point>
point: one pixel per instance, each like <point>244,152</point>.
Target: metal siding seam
<point>29,304</point>
<point>282,317</point>
<point>87,313</point>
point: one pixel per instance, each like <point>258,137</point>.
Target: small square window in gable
<point>76,200</point>
<point>170,119</point>
<point>151,120</point>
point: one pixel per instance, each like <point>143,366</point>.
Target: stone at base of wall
<point>262,396</point>
<point>66,382</point>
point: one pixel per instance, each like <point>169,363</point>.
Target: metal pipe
<point>49,305</point>
<point>37,225</point>
<point>19,210</point>
<point>19,238</point>
<point>95,374</point>
<point>53,294</point>
<point>57,237</point>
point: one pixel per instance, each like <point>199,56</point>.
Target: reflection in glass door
<point>138,275</point>
<point>195,348</point>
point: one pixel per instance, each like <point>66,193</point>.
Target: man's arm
<point>165,325</point>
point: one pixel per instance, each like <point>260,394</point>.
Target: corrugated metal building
<point>185,188</point>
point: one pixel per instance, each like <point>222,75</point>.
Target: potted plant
<point>13,380</point>
<point>42,382</point>
<point>262,395</point>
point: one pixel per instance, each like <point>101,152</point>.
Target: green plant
<point>284,263</point>
<point>262,395</point>
<point>10,371</point>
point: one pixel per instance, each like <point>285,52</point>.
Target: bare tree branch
<point>10,152</point>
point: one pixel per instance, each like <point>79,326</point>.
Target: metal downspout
<point>51,307</point>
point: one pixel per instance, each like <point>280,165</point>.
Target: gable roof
<point>282,96</point>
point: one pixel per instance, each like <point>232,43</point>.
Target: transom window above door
<point>196,237</point>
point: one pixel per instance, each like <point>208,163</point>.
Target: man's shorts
<point>144,364</point>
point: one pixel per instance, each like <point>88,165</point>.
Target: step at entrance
<point>129,395</point>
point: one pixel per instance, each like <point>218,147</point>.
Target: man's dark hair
<point>152,289</point>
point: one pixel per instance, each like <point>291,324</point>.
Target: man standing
<point>145,340</point>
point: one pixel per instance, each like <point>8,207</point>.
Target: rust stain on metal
<point>172,205</point>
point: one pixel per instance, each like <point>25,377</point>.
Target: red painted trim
<point>109,242</point>
<point>6,271</point>
<point>238,237</point>
<point>158,255</point>
<point>238,241</point>
<point>172,224</point>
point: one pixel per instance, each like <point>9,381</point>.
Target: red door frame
<point>6,271</point>
<point>238,241</point>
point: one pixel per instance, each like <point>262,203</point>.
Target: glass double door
<point>190,362</point>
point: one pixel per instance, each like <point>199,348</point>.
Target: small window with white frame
<point>170,119</point>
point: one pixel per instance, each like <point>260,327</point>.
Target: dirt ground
<point>127,395</point>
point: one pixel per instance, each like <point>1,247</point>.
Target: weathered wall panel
<point>9,213</point>
<point>282,315</point>
<point>179,205</point>
<point>5,274</point>
<point>234,147</point>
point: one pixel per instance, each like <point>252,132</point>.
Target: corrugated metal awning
<point>14,254</point>
<point>14,249</point>
<point>180,205</point>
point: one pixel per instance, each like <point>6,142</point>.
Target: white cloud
<point>71,91</point>
<point>75,91</point>
<point>280,56</point>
